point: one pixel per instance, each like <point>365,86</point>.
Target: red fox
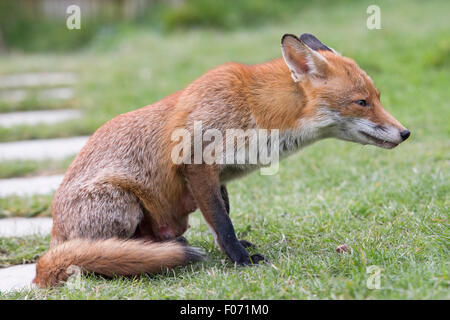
<point>123,205</point>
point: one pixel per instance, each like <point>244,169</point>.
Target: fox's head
<point>339,94</point>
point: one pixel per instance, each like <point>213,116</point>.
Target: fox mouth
<point>379,142</point>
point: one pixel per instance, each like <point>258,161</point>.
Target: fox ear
<point>301,59</point>
<point>315,44</point>
<point>312,42</point>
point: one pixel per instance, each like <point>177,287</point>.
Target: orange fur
<point>109,258</point>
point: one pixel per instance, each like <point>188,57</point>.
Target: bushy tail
<point>110,257</point>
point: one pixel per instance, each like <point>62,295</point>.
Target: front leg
<point>203,182</point>
<point>224,193</point>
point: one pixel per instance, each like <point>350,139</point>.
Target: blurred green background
<point>22,22</point>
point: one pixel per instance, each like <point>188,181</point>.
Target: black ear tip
<point>312,42</point>
<point>287,35</point>
<point>307,36</point>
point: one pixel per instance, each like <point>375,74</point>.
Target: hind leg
<point>102,212</point>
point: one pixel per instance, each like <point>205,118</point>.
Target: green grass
<point>22,250</point>
<point>26,168</point>
<point>390,207</point>
<point>16,206</point>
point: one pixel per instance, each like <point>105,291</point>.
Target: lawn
<point>390,207</point>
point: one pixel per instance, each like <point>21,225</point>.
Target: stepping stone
<point>20,227</point>
<point>12,119</point>
<point>13,96</point>
<point>41,149</point>
<point>55,93</point>
<point>17,277</point>
<point>29,186</point>
<point>19,95</point>
<point>37,79</point>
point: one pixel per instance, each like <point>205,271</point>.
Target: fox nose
<point>405,134</point>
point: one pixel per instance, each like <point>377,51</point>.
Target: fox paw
<point>253,260</point>
<point>247,244</point>
<point>257,258</point>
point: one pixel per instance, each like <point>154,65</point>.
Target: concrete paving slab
<point>11,119</point>
<point>37,79</point>
<point>41,149</point>
<point>20,227</point>
<point>17,277</point>
<point>29,186</point>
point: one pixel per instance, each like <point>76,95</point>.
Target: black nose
<point>405,134</point>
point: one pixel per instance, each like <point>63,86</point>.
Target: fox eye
<point>362,103</point>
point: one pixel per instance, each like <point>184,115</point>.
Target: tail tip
<point>194,254</point>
